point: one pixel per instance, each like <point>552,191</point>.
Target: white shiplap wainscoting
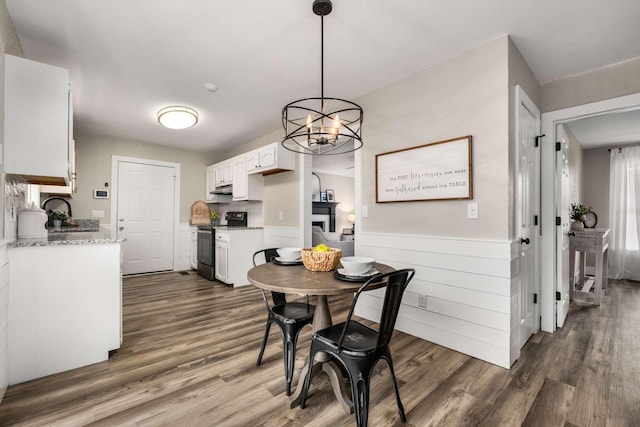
<point>464,294</point>
<point>281,237</point>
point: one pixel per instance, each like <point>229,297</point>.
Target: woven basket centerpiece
<point>321,261</point>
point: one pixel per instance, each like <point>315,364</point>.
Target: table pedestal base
<point>335,377</point>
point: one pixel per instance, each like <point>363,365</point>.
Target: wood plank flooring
<point>190,346</point>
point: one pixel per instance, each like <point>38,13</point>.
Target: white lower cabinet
<point>234,249</point>
<point>65,308</point>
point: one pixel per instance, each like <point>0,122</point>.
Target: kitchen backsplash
<point>255,217</point>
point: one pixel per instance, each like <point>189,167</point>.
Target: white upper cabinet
<point>272,158</point>
<point>38,139</point>
<point>245,187</point>
<point>223,173</point>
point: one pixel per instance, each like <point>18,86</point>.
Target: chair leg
<point>289,340</point>
<point>307,379</point>
<point>264,342</point>
<point>360,395</point>
<point>395,387</point>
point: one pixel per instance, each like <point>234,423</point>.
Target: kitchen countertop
<point>61,238</point>
<point>227,227</point>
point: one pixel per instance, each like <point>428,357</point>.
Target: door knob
<point>571,233</point>
<point>525,241</point>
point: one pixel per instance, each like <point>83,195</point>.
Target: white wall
<point>467,95</point>
<point>93,170</point>
<point>595,183</point>
<point>597,85</point>
<point>466,269</point>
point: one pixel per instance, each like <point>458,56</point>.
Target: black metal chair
<point>291,317</point>
<point>358,348</point>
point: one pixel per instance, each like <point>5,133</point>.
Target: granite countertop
<point>227,227</point>
<point>64,238</point>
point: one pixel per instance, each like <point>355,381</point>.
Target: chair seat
<point>293,312</point>
<point>359,338</point>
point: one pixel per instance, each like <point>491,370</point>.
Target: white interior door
<point>528,128</point>
<point>562,235</point>
<point>145,216</point>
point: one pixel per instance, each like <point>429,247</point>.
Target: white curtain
<point>624,213</point>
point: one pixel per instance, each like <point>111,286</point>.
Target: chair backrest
<point>269,254</point>
<point>396,284</point>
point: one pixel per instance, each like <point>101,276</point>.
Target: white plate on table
<point>296,261</point>
<point>371,272</point>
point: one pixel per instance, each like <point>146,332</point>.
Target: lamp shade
<point>177,117</point>
<point>351,217</point>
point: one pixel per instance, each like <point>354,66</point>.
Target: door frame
<point>548,191</point>
<point>176,194</point>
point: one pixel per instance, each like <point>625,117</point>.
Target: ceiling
<point>617,128</point>
<point>127,59</point>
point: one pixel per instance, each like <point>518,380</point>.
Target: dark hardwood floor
<point>190,346</point>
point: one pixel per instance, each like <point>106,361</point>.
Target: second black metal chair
<point>291,317</point>
<point>358,348</point>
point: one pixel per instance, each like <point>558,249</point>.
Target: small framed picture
<point>330,196</point>
<point>323,196</point>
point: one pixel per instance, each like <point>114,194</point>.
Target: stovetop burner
<point>236,219</point>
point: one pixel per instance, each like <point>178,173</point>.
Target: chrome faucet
<point>48,199</point>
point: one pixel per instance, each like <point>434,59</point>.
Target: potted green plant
<point>577,215</point>
<point>57,217</point>
<point>214,217</point>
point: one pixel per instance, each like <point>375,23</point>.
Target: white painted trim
<point>176,191</point>
<point>306,205</point>
<point>548,192</point>
<point>470,287</point>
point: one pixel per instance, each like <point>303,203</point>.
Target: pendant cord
<point>322,56</point>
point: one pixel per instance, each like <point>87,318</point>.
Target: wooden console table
<point>587,289</point>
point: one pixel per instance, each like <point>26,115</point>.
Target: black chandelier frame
<point>337,122</point>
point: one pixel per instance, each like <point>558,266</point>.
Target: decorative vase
<point>215,221</point>
<point>57,222</point>
<point>577,225</point>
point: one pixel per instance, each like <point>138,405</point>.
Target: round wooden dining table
<point>296,279</point>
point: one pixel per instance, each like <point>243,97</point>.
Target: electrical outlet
<point>422,301</point>
<point>280,215</point>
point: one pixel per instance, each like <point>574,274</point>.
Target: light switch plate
<point>472,210</point>
<point>97,214</point>
<point>365,211</point>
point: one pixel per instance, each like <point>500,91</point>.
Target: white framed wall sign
<point>437,171</point>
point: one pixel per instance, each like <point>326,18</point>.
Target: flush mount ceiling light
<point>176,117</point>
<point>322,126</point>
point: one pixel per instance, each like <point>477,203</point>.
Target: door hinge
<point>558,296</point>
<point>558,146</point>
<point>537,143</point>
<point>535,298</point>
<point>558,220</point>
<point>535,220</point>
